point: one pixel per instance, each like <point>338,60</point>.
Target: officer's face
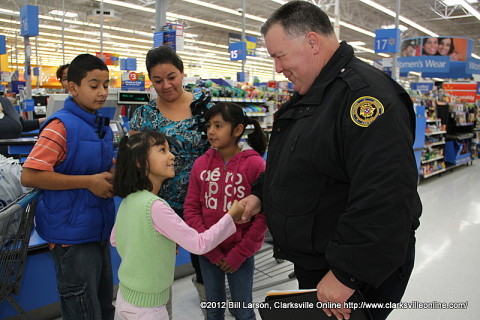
<point>293,57</point>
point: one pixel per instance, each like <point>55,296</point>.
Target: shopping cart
<point>16,224</point>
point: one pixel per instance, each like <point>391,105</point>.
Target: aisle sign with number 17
<point>387,40</point>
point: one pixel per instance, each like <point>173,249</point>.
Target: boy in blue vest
<point>71,162</point>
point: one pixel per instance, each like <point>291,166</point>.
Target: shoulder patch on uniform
<point>365,110</point>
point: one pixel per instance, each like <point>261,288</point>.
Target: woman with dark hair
<point>445,46</point>
<point>180,116</point>
<point>430,46</point>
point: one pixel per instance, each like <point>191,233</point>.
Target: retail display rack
<point>450,131</point>
<point>258,101</point>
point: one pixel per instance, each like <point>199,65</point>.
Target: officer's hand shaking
<point>253,205</point>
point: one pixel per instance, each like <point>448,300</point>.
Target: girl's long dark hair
<point>131,172</point>
<point>234,114</point>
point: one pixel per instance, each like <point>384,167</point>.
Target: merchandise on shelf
<point>432,161</point>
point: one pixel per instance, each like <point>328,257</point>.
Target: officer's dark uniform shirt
<point>340,188</point>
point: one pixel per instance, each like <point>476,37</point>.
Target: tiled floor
<point>446,267</point>
<point>448,251</point>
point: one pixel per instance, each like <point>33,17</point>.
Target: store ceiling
<point>129,31</point>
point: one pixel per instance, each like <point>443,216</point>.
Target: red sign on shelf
<point>467,92</point>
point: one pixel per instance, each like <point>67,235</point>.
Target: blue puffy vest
<point>77,215</point>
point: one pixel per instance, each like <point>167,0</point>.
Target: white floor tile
<point>447,253</point>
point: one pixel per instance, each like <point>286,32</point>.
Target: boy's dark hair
<point>60,70</point>
<point>234,114</point>
<point>298,18</point>
<point>81,65</point>
<point>131,171</point>
<point>160,55</point>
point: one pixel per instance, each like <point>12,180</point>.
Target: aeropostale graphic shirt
<point>213,187</point>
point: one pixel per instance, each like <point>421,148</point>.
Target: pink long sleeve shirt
<point>169,224</point>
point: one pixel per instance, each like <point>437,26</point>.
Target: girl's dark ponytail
<point>256,139</point>
<point>234,114</point>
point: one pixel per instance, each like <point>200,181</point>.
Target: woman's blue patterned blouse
<point>187,140</point>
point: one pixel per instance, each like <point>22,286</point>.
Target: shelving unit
<point>432,160</point>
<point>476,134</point>
<point>460,132</point>
<point>262,116</point>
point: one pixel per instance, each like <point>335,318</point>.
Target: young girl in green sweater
<point>146,228</point>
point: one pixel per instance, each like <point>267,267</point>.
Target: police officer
<point>340,188</point>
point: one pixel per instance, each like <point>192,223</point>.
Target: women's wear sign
<point>448,57</point>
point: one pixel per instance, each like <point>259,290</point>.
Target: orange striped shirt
<point>50,149</point>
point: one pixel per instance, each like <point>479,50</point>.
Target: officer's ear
<point>313,41</point>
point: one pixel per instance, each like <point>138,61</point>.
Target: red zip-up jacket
<point>212,189</point>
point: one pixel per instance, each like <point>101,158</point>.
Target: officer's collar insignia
<point>365,110</point>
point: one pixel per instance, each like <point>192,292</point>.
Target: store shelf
<point>433,173</point>
<point>462,163</point>
<point>464,124</point>
<point>433,159</point>
<point>435,132</point>
<point>256,114</point>
<point>433,120</point>
<point>461,159</point>
<point>439,143</point>
<point>240,100</point>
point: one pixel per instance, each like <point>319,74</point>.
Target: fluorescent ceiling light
<point>224,9</point>
<point>452,3</point>
<point>366,60</point>
<point>280,1</point>
<point>67,13</point>
<point>358,29</point>
<point>210,23</point>
<point>402,18</point>
<point>127,5</point>
<point>469,8</point>
<point>179,16</point>
<point>356,43</point>
<point>392,26</point>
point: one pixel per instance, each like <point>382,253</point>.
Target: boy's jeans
<point>84,280</point>
<point>240,283</point>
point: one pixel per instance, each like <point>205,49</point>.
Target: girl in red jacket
<point>223,174</point>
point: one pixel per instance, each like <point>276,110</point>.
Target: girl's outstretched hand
<point>236,210</point>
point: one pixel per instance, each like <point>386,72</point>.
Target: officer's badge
<point>365,110</point>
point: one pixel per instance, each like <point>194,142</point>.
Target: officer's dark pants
<point>391,290</point>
